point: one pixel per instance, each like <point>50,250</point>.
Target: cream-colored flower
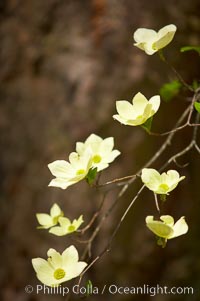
<point>58,268</point>
<point>101,149</point>
<point>151,41</point>
<point>69,173</point>
<point>66,226</point>
<point>138,112</point>
<point>49,220</point>
<point>160,183</point>
<point>166,227</point>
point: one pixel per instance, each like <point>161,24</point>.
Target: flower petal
<point>77,222</point>
<point>55,258</point>
<point>165,36</point>
<point>59,231</point>
<point>144,35</point>
<point>112,156</point>
<point>121,119</point>
<point>45,220</point>
<point>44,271</point>
<point>64,221</point>
<point>151,178</point>
<point>167,219</point>
<point>125,109</point>
<point>93,138</point>
<point>40,265</point>
<point>179,228</point>
<point>139,103</point>
<point>80,147</point>
<point>61,183</point>
<point>155,101</point>
<point>55,210</point>
<point>107,145</point>
<point>59,168</point>
<point>159,228</point>
<point>74,270</point>
<point>173,177</point>
<point>70,256</point>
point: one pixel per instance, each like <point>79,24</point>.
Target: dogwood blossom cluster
<point>95,152</point>
<point>94,155</point>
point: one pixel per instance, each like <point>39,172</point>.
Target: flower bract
<point>58,268</point>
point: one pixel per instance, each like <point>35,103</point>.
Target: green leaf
<point>190,48</point>
<point>91,175</point>
<point>89,287</point>
<point>197,106</point>
<point>170,90</point>
<point>147,125</point>
<point>195,84</point>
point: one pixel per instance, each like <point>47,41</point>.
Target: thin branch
<point>187,113</point>
<point>163,58</point>
<point>117,180</point>
<point>94,217</point>
<point>108,246</point>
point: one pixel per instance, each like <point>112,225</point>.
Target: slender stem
<point>156,202</point>
<point>163,58</point>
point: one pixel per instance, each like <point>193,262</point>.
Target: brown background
<point>63,66</point>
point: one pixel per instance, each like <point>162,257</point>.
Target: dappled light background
<point>63,66</point>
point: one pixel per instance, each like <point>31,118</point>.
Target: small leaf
<point>91,175</point>
<point>190,48</point>
<point>147,125</point>
<point>197,106</point>
<point>170,90</point>
<point>89,287</point>
<point>195,85</point>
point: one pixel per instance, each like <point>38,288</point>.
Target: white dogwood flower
<point>101,149</point>
<point>69,173</point>
<point>58,268</point>
<point>160,183</point>
<point>166,228</point>
<point>151,41</point>
<point>49,220</point>
<point>139,111</point>
<point>66,226</point>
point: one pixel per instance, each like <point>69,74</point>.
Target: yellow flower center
<point>59,274</point>
<point>96,159</point>
<point>71,228</point>
<point>80,172</point>
<point>164,187</point>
